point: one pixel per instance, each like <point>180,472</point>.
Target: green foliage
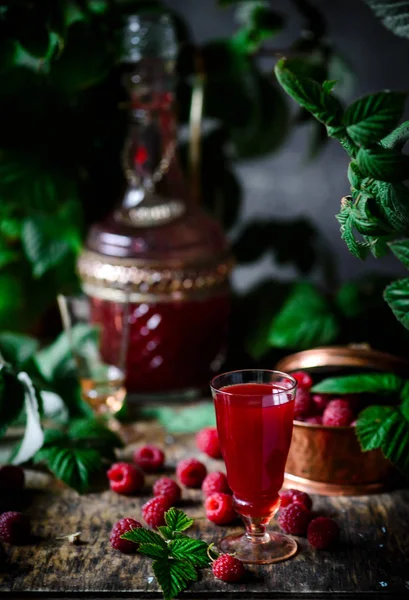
<point>400,248</point>
<point>394,14</point>
<point>367,383</point>
<point>397,296</point>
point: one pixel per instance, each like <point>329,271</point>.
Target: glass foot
<point>270,548</point>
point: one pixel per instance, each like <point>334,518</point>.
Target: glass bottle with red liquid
<point>158,251</point>
<point>254,411</point>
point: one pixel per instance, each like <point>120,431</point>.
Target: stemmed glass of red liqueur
<point>254,412</point>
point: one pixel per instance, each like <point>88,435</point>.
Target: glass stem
<point>256,530</point>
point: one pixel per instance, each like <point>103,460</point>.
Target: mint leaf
<point>373,383</point>
<point>153,550</point>
<point>397,138</point>
<point>400,248</point>
<point>173,576</point>
<point>373,116</point>
<point>396,295</point>
<point>140,535</point>
<point>72,465</point>
<point>177,520</point>
<point>17,348</point>
<point>305,320</point>
<point>190,549</point>
<point>383,163</point>
<point>91,429</point>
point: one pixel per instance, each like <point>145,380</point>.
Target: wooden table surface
<point>372,558</point>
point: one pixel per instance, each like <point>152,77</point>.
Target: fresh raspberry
<point>125,478</point>
<point>15,528</point>
<point>123,526</point>
<point>295,497</point>
<point>149,458</point>
<point>303,379</point>
<point>314,420</point>
<point>219,508</point>
<point>294,519</point>
<point>191,472</point>
<point>228,568</point>
<point>154,511</point>
<point>207,440</point>
<point>168,488</point>
<point>303,405</point>
<point>215,482</point>
<point>338,414</point>
<point>322,533</point>
<point>321,402</point>
<point>11,478</point>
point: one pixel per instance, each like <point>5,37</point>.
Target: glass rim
<point>292,380</point>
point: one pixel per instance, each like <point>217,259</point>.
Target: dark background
<point>286,184</point>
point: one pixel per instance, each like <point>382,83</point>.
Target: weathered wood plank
<point>372,558</point>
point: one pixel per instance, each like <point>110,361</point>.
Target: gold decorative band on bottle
<point>121,280</point>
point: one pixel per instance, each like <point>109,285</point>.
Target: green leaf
<point>397,296</point>
<point>192,550</point>
<point>33,435</point>
<point>90,429</point>
<point>258,24</point>
<point>397,138</point>
<point>177,520</point>
<point>74,466</point>
<point>328,85</point>
<point>370,118</point>
<point>393,202</point>
<point>153,550</point>
<point>310,95</point>
<point>140,535</point>
<point>346,221</point>
<point>306,320</point>
<point>400,248</point>
<point>354,175</point>
<point>394,14</point>
<point>383,163</point>
<point>12,395</point>
<point>173,576</point>
<point>17,348</point>
<point>371,383</point>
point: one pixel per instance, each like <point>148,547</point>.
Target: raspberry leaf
<point>397,296</point>
<point>177,520</point>
<point>153,550</point>
<point>140,535</point>
<point>173,576</point>
<point>400,248</point>
<point>74,466</point>
<point>372,383</point>
<point>190,549</point>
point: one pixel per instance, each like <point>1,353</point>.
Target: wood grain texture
<point>371,559</point>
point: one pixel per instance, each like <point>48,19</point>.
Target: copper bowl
<point>328,460</point>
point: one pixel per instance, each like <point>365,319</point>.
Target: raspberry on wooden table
<point>228,568</point>
<point>338,413</point>
<point>219,508</point>
<point>291,496</point>
<point>154,510</point>
<point>149,458</point>
<point>303,405</point>
<point>125,478</point>
<point>15,528</point>
<point>123,526</point>
<point>322,533</point>
<point>167,487</point>
<point>294,519</point>
<point>215,482</point>
<point>11,477</point>
<point>191,472</point>
<point>303,379</point>
<point>207,440</point>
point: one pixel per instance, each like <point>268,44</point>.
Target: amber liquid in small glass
<point>104,397</point>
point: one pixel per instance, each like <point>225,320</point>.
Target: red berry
<point>338,414</point>
<point>169,489</point>
<point>207,440</point>
<point>215,482</point>
<point>191,472</point>
<point>15,528</point>
<point>314,420</point>
<point>303,378</point>
<point>303,406</point>
<point>219,508</point>
<point>295,497</point>
<point>322,533</point>
<point>228,568</point>
<point>11,478</point>
<point>149,458</point>
<point>154,511</point>
<point>294,519</point>
<point>320,402</point>
<point>123,526</point>
<point>125,478</point>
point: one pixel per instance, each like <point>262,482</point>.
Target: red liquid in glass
<point>255,434</point>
